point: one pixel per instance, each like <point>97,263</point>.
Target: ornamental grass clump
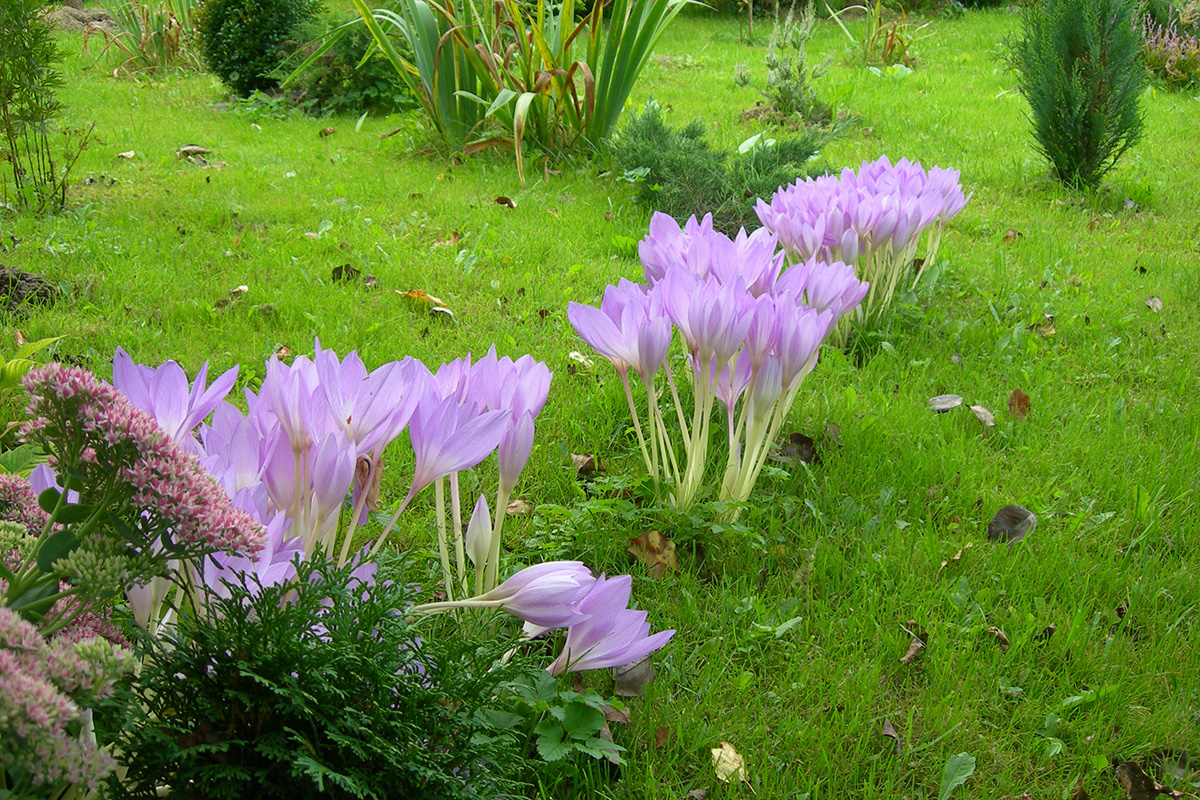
<point>872,220</point>
<point>751,330</point>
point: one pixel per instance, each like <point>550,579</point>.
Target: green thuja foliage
<point>319,688</point>
<point>245,41</point>
<point>35,171</point>
<point>680,174</point>
<point>1079,66</point>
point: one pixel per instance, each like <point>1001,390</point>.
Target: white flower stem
<point>439,490</point>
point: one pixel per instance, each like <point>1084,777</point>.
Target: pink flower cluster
<point>89,427</point>
<point>36,678</point>
<point>1173,55</point>
<point>18,504</point>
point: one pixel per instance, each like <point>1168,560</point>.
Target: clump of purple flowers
<point>316,431</point>
<point>1172,53</point>
<point>602,631</point>
<point>751,329</point>
<point>876,221</point>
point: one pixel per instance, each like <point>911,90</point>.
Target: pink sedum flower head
<point>163,490</point>
<point>611,635</point>
<point>19,504</point>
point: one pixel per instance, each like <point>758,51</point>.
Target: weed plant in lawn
<point>1036,289</point>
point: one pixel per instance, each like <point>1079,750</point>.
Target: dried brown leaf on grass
<point>1140,786</point>
<point>1011,524</point>
<point>656,551</point>
<point>944,402</point>
<point>984,416</point>
<point>632,679</point>
<point>1018,404</point>
<point>1001,638</point>
<point>518,507</point>
<point>728,763</point>
<point>954,559</point>
<point>585,464</point>
<point>799,448</point>
<point>888,731</point>
<point>919,638</point>
<point>662,735</point>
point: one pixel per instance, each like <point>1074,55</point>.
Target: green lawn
<point>151,247</point>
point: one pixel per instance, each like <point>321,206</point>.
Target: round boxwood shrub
<point>243,40</point>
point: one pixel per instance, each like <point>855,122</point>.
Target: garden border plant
<point>1079,65</point>
<point>30,113</point>
<point>507,73</point>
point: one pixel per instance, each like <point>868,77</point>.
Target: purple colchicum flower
<point>751,329</point>
<point>610,634</point>
<point>872,220</point>
<point>449,436</point>
<point>546,595</point>
<point>164,394</point>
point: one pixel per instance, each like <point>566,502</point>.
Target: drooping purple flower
<point>611,635</point>
<point>275,565</point>
<point>514,451</point>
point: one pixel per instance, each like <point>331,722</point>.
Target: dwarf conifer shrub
<point>245,41</point>
<point>1078,64</point>
<point>680,174</point>
<point>316,688</point>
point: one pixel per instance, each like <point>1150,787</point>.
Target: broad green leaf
<point>748,145</point>
<point>54,547</point>
<point>48,500</point>
<point>20,460</point>
<point>550,744</point>
<point>958,769</point>
<point>72,513</point>
<point>33,348</point>
<point>582,721</point>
